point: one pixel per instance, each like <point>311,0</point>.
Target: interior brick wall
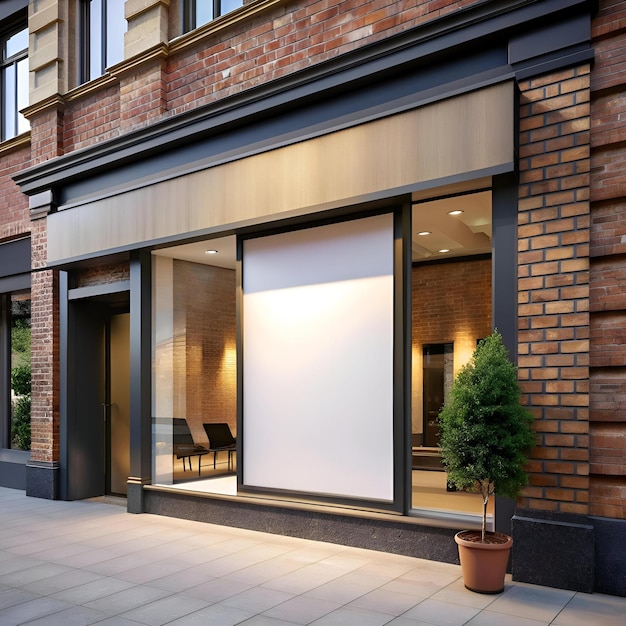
<point>553,285</point>
<point>205,359</point>
<point>608,264</point>
<point>451,303</point>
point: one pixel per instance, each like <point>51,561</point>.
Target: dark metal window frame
<point>189,15</point>
<point>15,26</point>
<point>85,44</point>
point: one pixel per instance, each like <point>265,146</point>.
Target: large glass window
<point>451,310</point>
<point>102,28</point>
<point>14,83</point>
<point>199,12</point>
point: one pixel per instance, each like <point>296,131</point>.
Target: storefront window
<point>194,363</point>
<point>451,310</point>
<point>20,336</point>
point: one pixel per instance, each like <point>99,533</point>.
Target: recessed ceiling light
<point>210,252</point>
<point>456,212</point>
<point>444,250</point>
<point>424,232</point>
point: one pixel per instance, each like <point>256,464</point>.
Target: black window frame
<point>16,25</point>
<point>85,44</point>
<point>189,15</point>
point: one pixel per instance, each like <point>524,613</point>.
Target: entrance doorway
<point>97,432</point>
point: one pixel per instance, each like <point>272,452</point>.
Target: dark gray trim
<point>550,38</point>
<point>400,408</point>
<point>450,39</point>
<point>140,378</point>
<point>13,468</point>
<point>15,257</point>
<point>98,290</point>
<point>504,293</point>
<point>15,283</point>
<point>239,350</point>
<point>5,368</point>
<point>402,376</point>
<point>9,7</point>
<point>545,65</point>
<point>65,350</point>
<point>13,475</point>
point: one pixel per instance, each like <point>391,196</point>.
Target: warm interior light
<point>424,232</point>
<point>456,212</point>
<point>210,252</point>
<point>444,250</point>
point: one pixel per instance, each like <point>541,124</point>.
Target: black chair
<point>220,438</point>
<point>184,445</point>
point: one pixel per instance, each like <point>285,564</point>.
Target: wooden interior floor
<point>429,486</point>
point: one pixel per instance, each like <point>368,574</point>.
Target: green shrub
<point>20,423</point>
<point>20,420</point>
<point>485,433</point>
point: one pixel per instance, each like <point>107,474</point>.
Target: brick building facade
<point>284,119</point>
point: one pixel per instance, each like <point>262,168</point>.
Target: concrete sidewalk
<point>74,563</point>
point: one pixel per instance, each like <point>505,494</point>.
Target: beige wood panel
<point>469,133</point>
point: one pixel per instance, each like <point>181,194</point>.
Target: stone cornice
<point>11,145</point>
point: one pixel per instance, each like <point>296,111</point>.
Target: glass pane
<point>20,371</point>
<point>8,102</point>
<point>96,66</point>
<point>230,5</point>
<point>16,43</point>
<point>115,29</point>
<point>204,12</point>
<point>22,95</point>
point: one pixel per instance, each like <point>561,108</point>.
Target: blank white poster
<point>318,360</point>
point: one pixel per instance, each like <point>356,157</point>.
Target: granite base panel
<point>553,550</point>
<point>610,570</point>
<point>409,539</point>
<point>42,481</point>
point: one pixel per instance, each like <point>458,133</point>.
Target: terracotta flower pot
<point>483,564</point>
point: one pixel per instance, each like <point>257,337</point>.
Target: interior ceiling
<point>468,233</point>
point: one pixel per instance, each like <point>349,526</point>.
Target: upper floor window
<point>14,88</point>
<point>199,12</point>
<point>102,28</point>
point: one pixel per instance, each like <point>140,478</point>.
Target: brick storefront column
<point>553,325</point>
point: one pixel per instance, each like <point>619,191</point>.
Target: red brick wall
<point>553,270</point>
<point>272,44</point>
<point>205,364</point>
<point>451,303</point>
<point>286,39</point>
<point>92,118</point>
<point>608,264</point>
<point>14,216</point>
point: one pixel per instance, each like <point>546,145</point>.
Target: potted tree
<point>485,437</point>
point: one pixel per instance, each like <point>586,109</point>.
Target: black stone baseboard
<point>42,480</point>
<point>554,550</point>
<point>610,544</point>
<point>397,537</point>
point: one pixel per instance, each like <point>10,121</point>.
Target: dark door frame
<point>84,315</point>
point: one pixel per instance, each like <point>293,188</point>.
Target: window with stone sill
<point>101,36</point>
<point>199,12</point>
<point>14,82</point>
